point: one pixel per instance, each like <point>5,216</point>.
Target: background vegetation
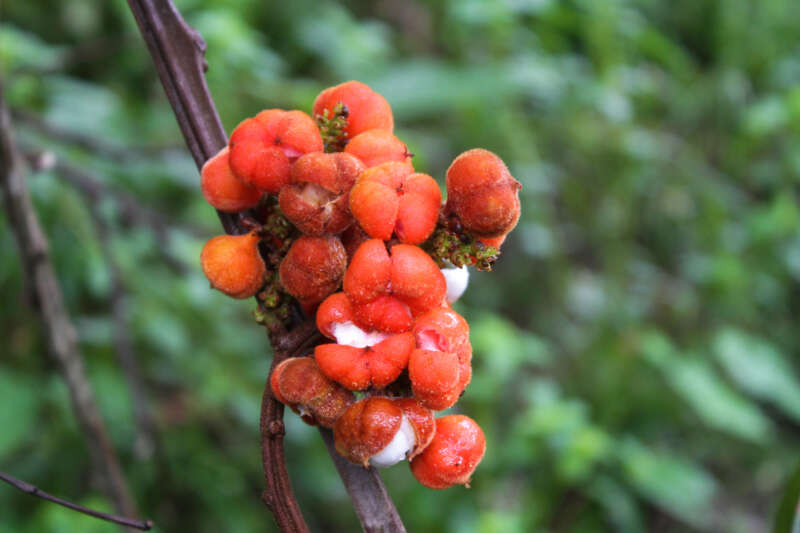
<point>636,350</point>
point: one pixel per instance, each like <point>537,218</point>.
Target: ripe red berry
<point>391,199</point>
<point>365,428</point>
<point>313,268</point>
<point>366,354</point>
<point>358,368</point>
<point>224,191</point>
<point>316,199</point>
<point>440,367</point>
<point>233,264</point>
<point>452,456</point>
<point>366,109</point>
<point>408,274</point>
<point>299,383</point>
<point>374,147</point>
<point>381,432</point>
<point>495,242</point>
<point>434,378</point>
<point>416,279</point>
<point>482,193</point>
<point>263,148</point>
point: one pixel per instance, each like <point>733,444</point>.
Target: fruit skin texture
<point>391,199</point>
<point>365,428</point>
<point>233,265</point>
<point>482,193</point>
<point>263,148</point>
<point>374,147</point>
<point>496,242</point>
<point>313,268</point>
<point>299,383</point>
<point>359,368</point>
<point>453,454</point>
<point>222,189</point>
<point>440,368</point>
<point>316,199</point>
<point>408,275</point>
<point>366,109</point>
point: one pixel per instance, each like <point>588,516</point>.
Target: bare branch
<point>178,53</point>
<point>371,500</point>
<point>144,525</point>
<point>60,333</point>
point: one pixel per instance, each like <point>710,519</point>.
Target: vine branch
<point>178,53</point>
<point>59,331</point>
<point>27,488</point>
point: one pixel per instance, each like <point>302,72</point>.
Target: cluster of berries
<point>351,212</point>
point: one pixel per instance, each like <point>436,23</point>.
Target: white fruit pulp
<point>398,449</point>
<point>457,280</point>
<point>349,334</point>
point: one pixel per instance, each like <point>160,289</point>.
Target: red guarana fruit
<point>222,189</point>
<point>415,279</point>
<point>374,147</point>
<point>369,431</point>
<point>299,383</point>
<point>366,109</point>
<point>364,355</point>
<point>408,274</point>
<point>263,148</point>
<point>482,193</point>
<point>391,199</point>
<point>316,199</point>
<point>495,242</point>
<point>313,268</point>
<point>441,366</point>
<point>358,368</point>
<point>233,264</point>
<point>434,378</point>
<point>453,455</point>
<point>365,428</point>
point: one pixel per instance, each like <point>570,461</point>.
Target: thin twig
<point>178,53</point>
<point>144,525</point>
<point>60,333</point>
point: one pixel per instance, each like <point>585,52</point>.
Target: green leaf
<point>716,403</point>
<point>18,404</point>
<point>759,369</point>
<point>670,482</point>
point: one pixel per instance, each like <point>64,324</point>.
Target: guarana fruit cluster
<point>334,202</point>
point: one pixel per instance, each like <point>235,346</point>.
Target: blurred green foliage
<point>636,350</point>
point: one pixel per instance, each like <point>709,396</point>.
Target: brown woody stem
<point>178,53</point>
<point>144,525</point>
<point>62,339</point>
